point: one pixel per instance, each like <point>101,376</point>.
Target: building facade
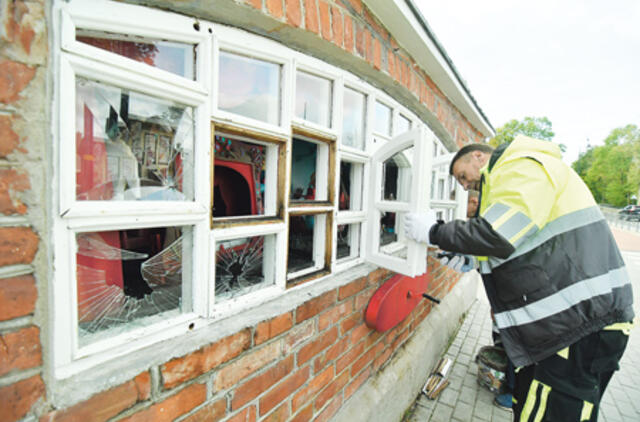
<point>199,199</point>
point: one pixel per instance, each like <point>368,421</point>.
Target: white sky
<point>576,62</point>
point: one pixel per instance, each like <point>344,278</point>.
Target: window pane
<point>131,146</point>
<point>303,232</point>
<point>244,265</point>
<point>249,87</point>
<point>396,176</point>
<point>304,156</point>
<point>353,119</point>
<point>404,125</point>
<point>382,121</point>
<point>433,184</point>
<point>350,186</point>
<point>348,241</point>
<point>452,188</point>
<point>391,231</point>
<point>130,278</point>
<point>173,57</point>
<point>313,99</point>
<point>441,188</point>
<point>238,178</point>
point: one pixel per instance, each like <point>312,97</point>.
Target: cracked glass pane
<point>130,278</point>
<point>131,146</point>
<point>244,265</point>
<point>304,156</point>
<point>396,176</point>
<point>238,178</point>
<point>249,87</point>
<point>173,57</point>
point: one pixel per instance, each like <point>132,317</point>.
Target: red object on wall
<point>394,300</point>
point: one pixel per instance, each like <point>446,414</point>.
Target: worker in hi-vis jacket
<point>555,279</point>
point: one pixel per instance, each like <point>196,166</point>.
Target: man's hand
<point>417,225</point>
<point>460,263</point>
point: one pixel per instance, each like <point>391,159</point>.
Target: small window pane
<point>348,241</point>
<point>350,186</point>
<point>313,99</point>
<point>353,119</point>
<point>391,224</point>
<point>452,188</point>
<point>396,176</point>
<point>131,146</point>
<point>130,278</point>
<point>304,156</point>
<point>404,125</point>
<point>433,184</point>
<point>304,232</point>
<point>441,189</point>
<point>173,57</point>
<point>249,87</point>
<point>238,178</point>
<point>382,121</point>
<point>244,265</point>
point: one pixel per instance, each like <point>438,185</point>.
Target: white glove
<point>460,263</point>
<point>417,225</point>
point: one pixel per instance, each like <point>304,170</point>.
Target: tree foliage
<point>534,127</point>
<point>612,170</point>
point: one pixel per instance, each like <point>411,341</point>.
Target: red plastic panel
<point>394,300</point>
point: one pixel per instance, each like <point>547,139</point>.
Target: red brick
<point>14,77</point>
<point>100,407</point>
<point>188,367</point>
<point>377,28</point>
<point>259,384</point>
<point>350,322</point>
<point>332,354</point>
<point>332,389</point>
<point>310,350</point>
<point>329,411</point>
<point>325,20</point>
<point>283,390</point>
<point>278,415</point>
<point>172,407</point>
<point>257,4</point>
<point>368,46</point>
<point>269,329</point>
<point>315,385</point>
<point>373,337</point>
<point>18,245</point>
<point>362,299</point>
<point>211,412</point>
<point>246,415</point>
<point>366,359</point>
<point>20,350</point>
<point>17,297</point>
<point>9,140</point>
<point>400,339</point>
<point>335,314</point>
<point>348,33</point>
<point>246,365</point>
<point>382,359</point>
<point>298,335</point>
<point>314,306</point>
<point>17,25</point>
<point>16,400</point>
<point>391,63</point>
<point>379,275</point>
<point>12,181</point>
<point>359,332</point>
<point>355,4</point>
<point>304,415</point>
<point>360,44</point>
<point>356,383</point>
<point>143,385</point>
<point>349,357</point>
<point>294,14</point>
<point>377,54</point>
<point>274,8</point>
<point>337,26</point>
<point>352,288</point>
<point>311,16</point>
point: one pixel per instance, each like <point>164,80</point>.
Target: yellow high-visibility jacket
<point>549,263</point>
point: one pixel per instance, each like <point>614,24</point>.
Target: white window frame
<point>355,85</point>
<point>391,129</point>
<point>322,172</point>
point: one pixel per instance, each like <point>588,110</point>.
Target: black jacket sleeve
<point>474,236</point>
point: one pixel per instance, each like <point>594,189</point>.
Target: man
<point>554,277</point>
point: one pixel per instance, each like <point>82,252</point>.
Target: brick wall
<point>303,364</point>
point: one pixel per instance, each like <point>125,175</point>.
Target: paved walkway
<point>463,400</point>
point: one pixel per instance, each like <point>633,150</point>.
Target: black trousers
<point>569,385</point>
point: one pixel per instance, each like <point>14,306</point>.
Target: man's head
<point>467,162</point>
<point>472,203</point>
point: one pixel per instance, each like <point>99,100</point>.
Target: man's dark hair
<point>467,149</point>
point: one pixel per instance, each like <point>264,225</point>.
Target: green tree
<point>534,127</point>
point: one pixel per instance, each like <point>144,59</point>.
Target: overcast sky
<point>576,62</point>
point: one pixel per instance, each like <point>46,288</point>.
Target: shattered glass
<point>244,265</point>
<point>173,57</point>
<point>131,146</point>
<point>396,176</point>
<point>238,177</point>
<point>128,279</point>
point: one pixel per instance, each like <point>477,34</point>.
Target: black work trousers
<point>569,385</point>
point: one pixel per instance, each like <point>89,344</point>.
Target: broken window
<point>396,173</point>
<point>313,98</point>
<point>244,265</point>
<point>239,177</point>
<point>131,146</point>
<point>129,278</point>
<point>249,87</point>
<point>382,121</point>
<point>353,119</point>
<point>177,58</point>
